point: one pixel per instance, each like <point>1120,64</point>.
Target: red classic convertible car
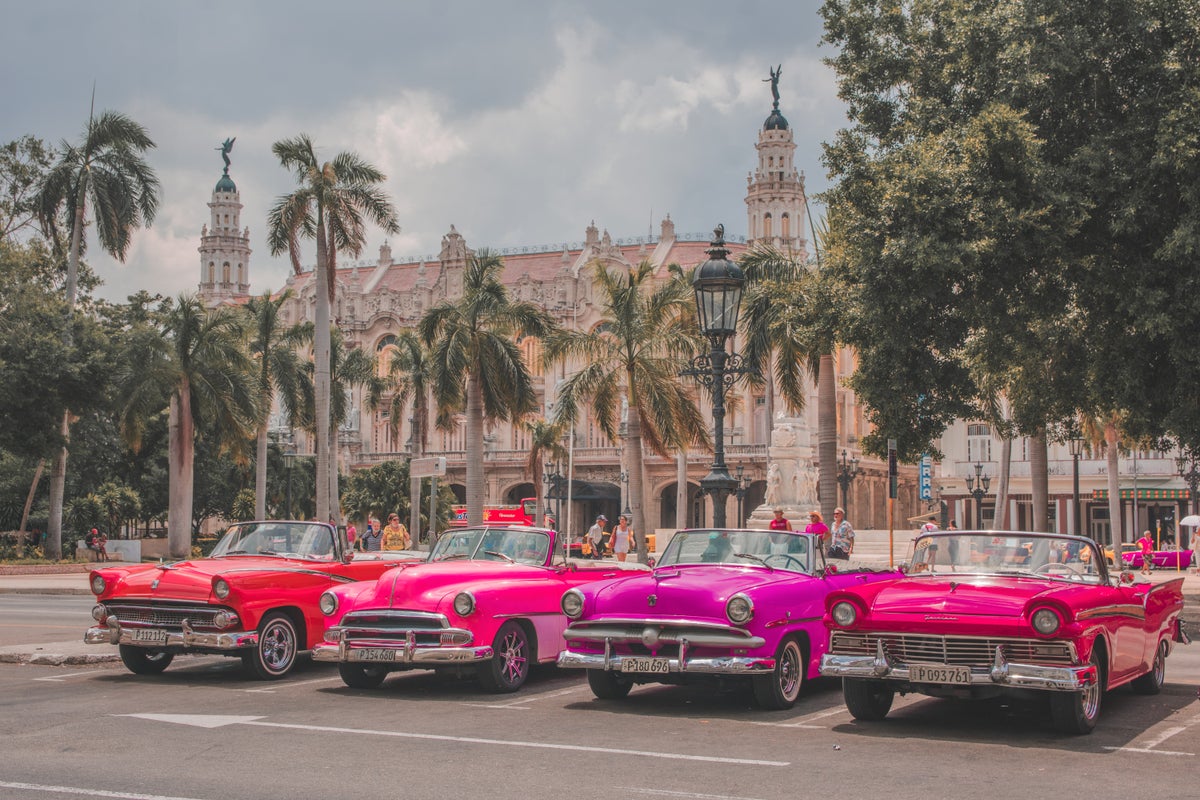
<point>254,597</point>
<point>487,602</point>
<point>984,614</point>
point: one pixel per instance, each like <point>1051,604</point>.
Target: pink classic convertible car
<point>254,597</point>
<point>731,604</point>
<point>486,601</point>
<point>985,614</point>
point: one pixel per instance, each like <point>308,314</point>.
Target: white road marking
<point>60,678</point>
<point>37,787</point>
<point>529,698</point>
<point>669,793</point>
<point>1147,750</point>
<point>218,721</point>
<point>291,685</point>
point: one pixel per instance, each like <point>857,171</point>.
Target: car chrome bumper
<point>1001,673</point>
<point>702,665</point>
<point>115,634</point>
<point>407,654</point>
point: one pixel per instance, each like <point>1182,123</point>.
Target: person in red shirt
<point>816,524</point>
<point>780,523</point>
<point>1147,545</point>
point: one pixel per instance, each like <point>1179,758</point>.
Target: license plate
<point>375,654</point>
<point>936,673</point>
<point>635,664</point>
<point>150,635</point>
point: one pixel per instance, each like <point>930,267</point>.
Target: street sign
<point>434,466</point>
<point>926,478</point>
<point>893,470</point>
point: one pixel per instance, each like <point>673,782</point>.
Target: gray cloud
<point>519,122</point>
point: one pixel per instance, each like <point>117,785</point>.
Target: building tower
<point>775,203</point>
<point>224,251</point>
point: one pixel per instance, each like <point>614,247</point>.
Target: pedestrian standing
<point>841,537</point>
<point>780,523</point>
<point>1147,545</point>
<point>395,535</point>
<point>372,540</point>
<point>816,525</point>
<point>622,537</point>
<point>351,535</point>
<point>595,536</point>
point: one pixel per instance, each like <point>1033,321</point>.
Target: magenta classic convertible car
<point>487,601</point>
<point>255,597</point>
<point>985,614</point>
<point>721,604</point>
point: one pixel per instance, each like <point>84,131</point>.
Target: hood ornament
<point>154,584</point>
<point>651,600</point>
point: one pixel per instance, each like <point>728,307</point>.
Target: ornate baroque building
<point>376,300</point>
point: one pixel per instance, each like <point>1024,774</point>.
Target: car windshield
<point>776,549</point>
<point>1021,554</point>
<point>522,545</point>
<point>308,540</point>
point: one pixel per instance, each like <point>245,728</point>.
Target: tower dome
<point>226,183</point>
<point>775,122</point>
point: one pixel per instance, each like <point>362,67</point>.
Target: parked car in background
<point>988,614</point>
<point>254,597</point>
<point>721,604</point>
<point>486,601</point>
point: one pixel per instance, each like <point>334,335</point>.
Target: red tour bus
<point>506,515</point>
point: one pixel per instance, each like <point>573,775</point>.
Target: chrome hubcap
<point>512,657</point>
<point>789,672</point>
<point>277,647</point>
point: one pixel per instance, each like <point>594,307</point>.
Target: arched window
<point>212,272</point>
<point>383,355</point>
<point>241,274</point>
<point>785,227</point>
<point>225,272</point>
<point>531,352</point>
<point>766,226</point>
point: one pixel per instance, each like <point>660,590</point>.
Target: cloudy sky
<point>519,122</point>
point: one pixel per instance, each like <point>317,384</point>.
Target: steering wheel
<point>1051,565</point>
<point>788,558</point>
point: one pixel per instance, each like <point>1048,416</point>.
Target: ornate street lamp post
<point>847,472</point>
<point>553,477</point>
<point>741,494</point>
<point>718,284</point>
<point>977,487</point>
<point>628,512</point>
<point>1076,444</point>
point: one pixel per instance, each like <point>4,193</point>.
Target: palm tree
<point>108,170</point>
<point>274,348</point>
<point>477,366</point>
<point>642,345</point>
<point>411,373</point>
<point>332,204</point>
<point>545,440</point>
<point>789,323</point>
<point>196,365</point>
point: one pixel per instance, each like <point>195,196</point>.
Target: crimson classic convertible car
<point>731,604</point>
<point>486,602</point>
<point>985,614</point>
<point>255,597</point>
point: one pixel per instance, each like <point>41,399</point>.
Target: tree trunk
<point>474,450</point>
<point>180,446</point>
<point>37,478</point>
<point>321,376</point>
<point>681,489</point>
<point>1039,480</point>
<point>58,477</point>
<point>1000,521</point>
<point>260,472</point>
<point>1112,455</point>
<point>633,453</point>
<point>414,484</point>
<point>827,434</point>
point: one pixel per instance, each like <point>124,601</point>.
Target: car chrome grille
<point>164,615</point>
<point>387,625</point>
<point>971,651</point>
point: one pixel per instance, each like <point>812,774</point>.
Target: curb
<point>42,590</point>
<point>58,659</point>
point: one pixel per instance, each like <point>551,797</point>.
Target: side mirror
<point>650,562</point>
<point>1126,576</point>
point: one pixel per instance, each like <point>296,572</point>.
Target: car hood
<point>423,585</point>
<point>692,590</point>
<point>192,580</point>
<point>963,596</point>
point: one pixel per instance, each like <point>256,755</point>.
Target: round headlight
<point>572,604</point>
<point>97,583</point>
<point>99,613</point>
<point>221,588</point>
<point>464,603</point>
<point>1046,622</point>
<point>739,609</point>
<point>328,603</point>
<point>224,619</point>
<point>844,614</point>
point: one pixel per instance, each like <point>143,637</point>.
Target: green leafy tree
<point>410,372</point>
<point>23,166</point>
<point>545,441</point>
<point>106,169</point>
<point>195,364</point>
<point>477,366</point>
<point>332,204</point>
<point>633,361</point>
<point>121,504</point>
<point>273,346</point>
